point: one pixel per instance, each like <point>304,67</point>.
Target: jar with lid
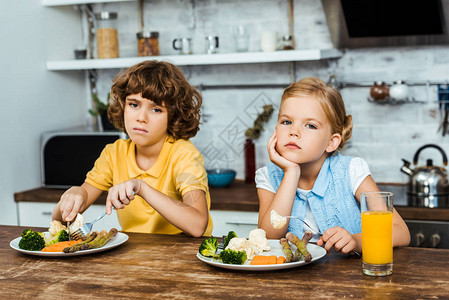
<point>379,91</point>
<point>148,43</point>
<point>107,35</point>
<point>399,90</point>
<point>287,42</point>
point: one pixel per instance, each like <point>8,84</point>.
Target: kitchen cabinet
<point>38,214</point>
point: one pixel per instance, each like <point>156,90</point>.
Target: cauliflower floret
<point>55,227</point>
<point>79,221</point>
<point>258,241</point>
<point>241,244</point>
<point>277,221</point>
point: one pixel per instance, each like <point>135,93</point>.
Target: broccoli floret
<point>229,256</point>
<point>61,236</point>
<point>228,238</point>
<point>26,232</point>
<point>32,240</point>
<point>208,247</point>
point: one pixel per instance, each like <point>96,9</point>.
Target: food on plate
<point>258,240</point>
<point>280,260</point>
<point>287,250</point>
<point>299,245</point>
<point>60,236</point>
<point>37,241</point>
<point>85,240</point>
<point>58,233</point>
<point>102,238</point>
<point>230,236</point>
<point>308,235</point>
<point>209,247</point>
<point>79,222</point>
<point>59,246</point>
<point>256,243</point>
<point>229,256</point>
<point>32,240</point>
<point>97,240</point>
<point>277,221</point>
<point>305,239</point>
<point>55,227</point>
<point>267,260</point>
<point>241,244</point>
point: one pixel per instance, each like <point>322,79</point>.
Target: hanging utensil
<point>443,103</point>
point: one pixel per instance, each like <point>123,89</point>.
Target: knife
<point>68,228</point>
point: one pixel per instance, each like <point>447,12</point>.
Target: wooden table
<point>161,266</point>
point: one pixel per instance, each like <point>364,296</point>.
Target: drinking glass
<point>241,38</point>
<point>377,233</point>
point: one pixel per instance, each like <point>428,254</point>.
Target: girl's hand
<point>338,238</point>
<point>278,159</point>
<point>72,202</point>
<point>121,194</point>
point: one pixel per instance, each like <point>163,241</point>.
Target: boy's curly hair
<point>164,84</point>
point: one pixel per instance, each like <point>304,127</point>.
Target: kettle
<point>428,185</point>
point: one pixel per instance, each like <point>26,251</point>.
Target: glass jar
<point>399,90</point>
<point>380,91</point>
<point>287,42</point>
<point>107,35</point>
<point>148,43</point>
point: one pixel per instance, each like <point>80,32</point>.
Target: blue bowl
<point>220,177</point>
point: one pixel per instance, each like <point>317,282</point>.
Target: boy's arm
<point>75,200</point>
<point>190,215</point>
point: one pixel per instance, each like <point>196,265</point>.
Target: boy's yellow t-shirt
<point>178,169</point>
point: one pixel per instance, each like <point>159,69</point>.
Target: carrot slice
<point>259,260</point>
<point>58,247</point>
<point>272,259</point>
<point>280,260</point>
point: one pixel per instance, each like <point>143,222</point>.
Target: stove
<point>428,234</point>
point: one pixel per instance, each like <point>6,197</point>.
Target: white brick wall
<point>383,134</point>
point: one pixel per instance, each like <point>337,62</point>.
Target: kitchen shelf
<point>198,59</point>
<point>76,2</point>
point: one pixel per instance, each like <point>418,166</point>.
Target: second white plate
<point>317,252</point>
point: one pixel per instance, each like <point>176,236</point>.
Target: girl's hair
<point>329,99</point>
<point>165,85</point>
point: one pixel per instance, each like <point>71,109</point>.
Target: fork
<point>85,229</point>
<point>299,219</point>
<point>318,231</point>
<point>221,245</point>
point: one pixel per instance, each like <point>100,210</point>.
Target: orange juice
<point>377,237</point>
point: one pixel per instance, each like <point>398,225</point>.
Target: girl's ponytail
<point>346,131</point>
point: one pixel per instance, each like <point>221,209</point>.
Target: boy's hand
<point>338,238</point>
<point>72,202</point>
<point>278,159</point>
<point>121,194</point>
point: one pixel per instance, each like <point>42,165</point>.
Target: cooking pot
<point>428,185</point>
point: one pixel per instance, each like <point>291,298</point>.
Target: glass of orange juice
<point>377,233</point>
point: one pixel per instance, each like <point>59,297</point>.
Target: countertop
<point>239,196</point>
<point>151,266</point>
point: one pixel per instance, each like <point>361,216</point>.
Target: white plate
<point>119,239</point>
<point>317,252</point>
